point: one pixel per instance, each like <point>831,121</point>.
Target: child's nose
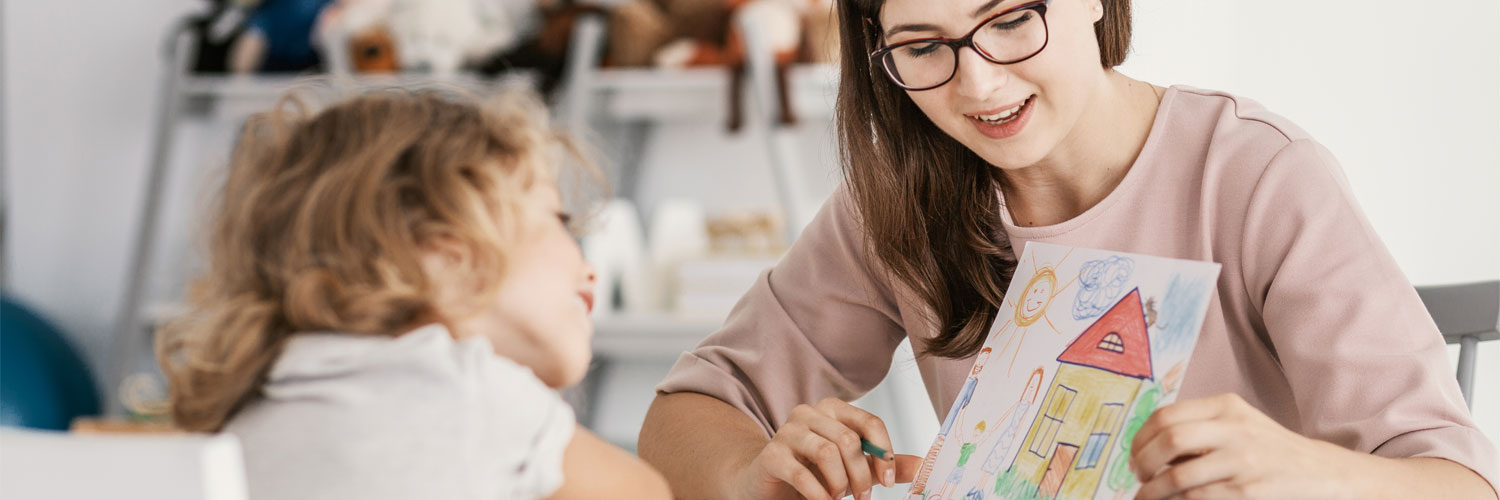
<point>589,273</point>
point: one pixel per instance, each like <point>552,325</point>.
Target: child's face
<point>540,317</point>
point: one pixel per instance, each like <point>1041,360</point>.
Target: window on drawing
<point>1058,402</point>
<point>1112,343</point>
<point>1104,425</point>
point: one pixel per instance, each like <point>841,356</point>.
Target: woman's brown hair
<point>322,221</point>
<point>928,205</point>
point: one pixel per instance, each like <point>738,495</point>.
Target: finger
<point>869,427</point>
<point>823,453</point>
<point>1177,413</point>
<point>849,449</point>
<point>784,466</point>
<point>1176,443</point>
<point>906,467</point>
<point>1191,474</point>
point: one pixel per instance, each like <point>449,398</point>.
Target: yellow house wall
<point>1093,385</point>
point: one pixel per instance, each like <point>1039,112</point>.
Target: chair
<point>1466,315</point>
<point>54,465</point>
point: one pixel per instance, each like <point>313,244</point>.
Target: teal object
<point>43,382</point>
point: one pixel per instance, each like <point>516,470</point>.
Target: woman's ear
<point>1096,10</point>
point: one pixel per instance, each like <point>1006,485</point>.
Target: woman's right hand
<point>817,455</point>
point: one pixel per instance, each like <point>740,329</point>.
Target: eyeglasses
<point>1012,36</point>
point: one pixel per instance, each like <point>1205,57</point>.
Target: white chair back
<point>36,465</point>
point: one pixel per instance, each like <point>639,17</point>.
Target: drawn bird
<point>1151,311</point>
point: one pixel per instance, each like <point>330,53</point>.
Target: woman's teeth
<point>1003,116</point>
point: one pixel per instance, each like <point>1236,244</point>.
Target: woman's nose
<point>977,78</point>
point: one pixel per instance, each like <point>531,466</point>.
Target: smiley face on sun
<point>1036,298</point>
<point>1032,305</point>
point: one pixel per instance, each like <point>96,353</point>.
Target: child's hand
<point>817,455</point>
<point>1221,447</point>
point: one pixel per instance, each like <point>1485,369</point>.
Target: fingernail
<point>864,496</point>
<point>890,477</point>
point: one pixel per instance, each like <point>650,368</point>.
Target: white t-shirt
<point>415,416</point>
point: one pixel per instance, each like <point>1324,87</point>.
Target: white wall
<point>1406,95</point>
<point>79,87</point>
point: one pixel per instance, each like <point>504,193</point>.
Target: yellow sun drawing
<point>1033,304</point>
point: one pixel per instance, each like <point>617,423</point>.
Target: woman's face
<point>1052,88</point>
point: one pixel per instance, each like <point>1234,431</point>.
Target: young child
<point>391,296</point>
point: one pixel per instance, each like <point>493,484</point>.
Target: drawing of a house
<point>1068,446</point>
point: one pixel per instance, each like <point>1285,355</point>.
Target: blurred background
<point>116,116</point>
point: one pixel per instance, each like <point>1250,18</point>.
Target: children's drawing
<point>1100,283</point>
<point>955,415</point>
<point>1063,430</point>
<point>1013,419</point>
<point>965,453</point>
<point>1031,305</point>
<point>1177,320</point>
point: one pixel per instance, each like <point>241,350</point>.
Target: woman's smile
<point>1003,122</point>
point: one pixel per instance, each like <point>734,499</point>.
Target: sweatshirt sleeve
<point>1367,366</point>
<point>821,323</point>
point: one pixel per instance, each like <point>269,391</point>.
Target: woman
<point>971,127</point>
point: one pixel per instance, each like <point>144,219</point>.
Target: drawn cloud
<point>1102,282</point>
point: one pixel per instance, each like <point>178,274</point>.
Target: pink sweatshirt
<point>1312,320</point>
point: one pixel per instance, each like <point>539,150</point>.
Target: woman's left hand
<point>1221,447</point>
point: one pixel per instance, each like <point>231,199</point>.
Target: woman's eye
<point>921,49</point>
<point>1008,23</point>
<point>564,218</point>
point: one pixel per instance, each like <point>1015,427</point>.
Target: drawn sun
<point>1032,305</point>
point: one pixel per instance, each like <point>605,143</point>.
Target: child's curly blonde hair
<point>322,221</point>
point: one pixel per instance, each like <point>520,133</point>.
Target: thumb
<point>906,467</point>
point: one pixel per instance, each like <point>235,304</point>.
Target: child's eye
<point>564,218</point>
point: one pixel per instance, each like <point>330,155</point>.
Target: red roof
<point>1127,353</point>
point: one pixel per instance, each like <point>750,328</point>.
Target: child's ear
<point>445,263</point>
<point>444,255</point>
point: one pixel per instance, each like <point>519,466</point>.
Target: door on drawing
<point>1062,462</point>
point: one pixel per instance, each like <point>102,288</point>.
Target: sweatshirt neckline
<point>1126,185</point>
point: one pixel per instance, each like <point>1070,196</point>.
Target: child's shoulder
<point>426,362</point>
<point>434,404</point>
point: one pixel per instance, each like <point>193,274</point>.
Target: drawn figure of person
<point>965,452</point>
<point>955,415</point>
<point>1013,419</point>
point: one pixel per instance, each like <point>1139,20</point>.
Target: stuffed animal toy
<point>373,51</point>
<point>279,37</point>
<point>685,33</point>
<point>429,36</point>
<point>639,29</point>
<point>546,50</point>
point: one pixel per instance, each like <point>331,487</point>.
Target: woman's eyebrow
<point>930,27</point>
<point>985,8</point>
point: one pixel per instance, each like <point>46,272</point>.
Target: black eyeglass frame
<point>879,56</point>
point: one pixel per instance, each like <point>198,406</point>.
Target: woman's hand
<point>1221,447</point>
<point>817,455</point>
